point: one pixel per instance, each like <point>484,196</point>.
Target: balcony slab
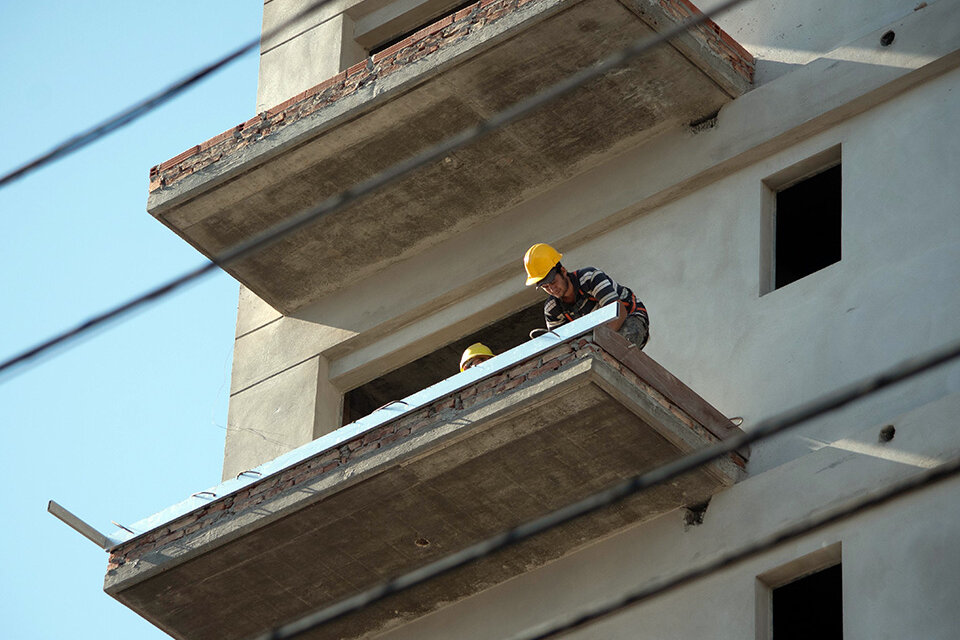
<point>448,77</point>
<point>506,449</point>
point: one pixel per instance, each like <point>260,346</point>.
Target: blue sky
<point>131,420</point>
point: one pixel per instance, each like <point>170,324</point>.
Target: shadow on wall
<point>767,70</point>
<point>439,365</point>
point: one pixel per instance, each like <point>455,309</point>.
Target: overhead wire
<point>556,518</point>
<point>146,105</point>
<point>397,171</point>
<point>560,516</point>
<point>565,514</point>
<point>940,473</point>
<point>594,502</point>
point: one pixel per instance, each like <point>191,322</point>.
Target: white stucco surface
<point>784,34</point>
<point>680,220</point>
<point>901,578</point>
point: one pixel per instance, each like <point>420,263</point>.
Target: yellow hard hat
<point>473,351</point>
<point>539,260</point>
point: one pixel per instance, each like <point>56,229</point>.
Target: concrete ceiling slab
<point>250,187</point>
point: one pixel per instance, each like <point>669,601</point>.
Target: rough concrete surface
<point>388,119</point>
<point>492,457</point>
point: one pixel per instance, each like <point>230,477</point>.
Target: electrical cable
<point>638,483</point>
<point>97,321</point>
<point>940,473</point>
<point>388,176</point>
<point>601,499</point>
<point>148,104</point>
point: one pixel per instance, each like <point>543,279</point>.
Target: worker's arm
<point>551,315</point>
<point>604,289</point>
<point>617,322</point>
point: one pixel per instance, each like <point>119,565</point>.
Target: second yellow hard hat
<point>477,349</point>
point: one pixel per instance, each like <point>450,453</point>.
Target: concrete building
<point>778,186</point>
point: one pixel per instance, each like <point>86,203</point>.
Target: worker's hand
<point>617,322</point>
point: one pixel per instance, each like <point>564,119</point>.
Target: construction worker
<point>576,293</point>
<point>474,355</point>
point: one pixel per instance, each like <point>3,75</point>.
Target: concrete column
<point>328,411</point>
<point>280,413</point>
<point>306,53</point>
<point>271,417</point>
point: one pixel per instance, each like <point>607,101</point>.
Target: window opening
<point>807,223</point>
<point>811,607</point>
<point>439,365</point>
<point>406,34</point>
<point>802,598</point>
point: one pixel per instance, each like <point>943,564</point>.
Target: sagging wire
<point>146,105</point>
<point>940,473</point>
<point>665,473</point>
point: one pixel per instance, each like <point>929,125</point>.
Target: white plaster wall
<point>679,219</point>
<point>901,573</point>
<point>893,295</point>
<point>784,34</point>
<point>300,53</point>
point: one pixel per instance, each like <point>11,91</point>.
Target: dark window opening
<point>439,365</point>
<point>442,13</point>
<point>811,607</point>
<point>807,223</point>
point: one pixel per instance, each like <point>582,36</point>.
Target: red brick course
<point>441,33</point>
<point>715,38</point>
<point>441,411</point>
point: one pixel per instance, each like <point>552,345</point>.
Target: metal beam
<point>80,526</point>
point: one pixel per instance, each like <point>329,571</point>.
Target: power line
<point>915,483</point>
<point>388,176</point>
<point>94,322</point>
<point>658,476</point>
<point>599,500</point>
<point>148,104</point>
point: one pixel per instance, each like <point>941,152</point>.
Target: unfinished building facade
<point>776,184</point>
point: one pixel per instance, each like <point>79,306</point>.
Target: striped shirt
<point>594,289</point>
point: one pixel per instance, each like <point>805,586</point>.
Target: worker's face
<point>474,361</point>
<point>558,286</point>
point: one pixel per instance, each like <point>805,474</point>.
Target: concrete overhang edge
<point>482,417</point>
<point>351,431</point>
<point>594,370</point>
<point>693,48</point>
<point>662,420</point>
<point>365,99</point>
